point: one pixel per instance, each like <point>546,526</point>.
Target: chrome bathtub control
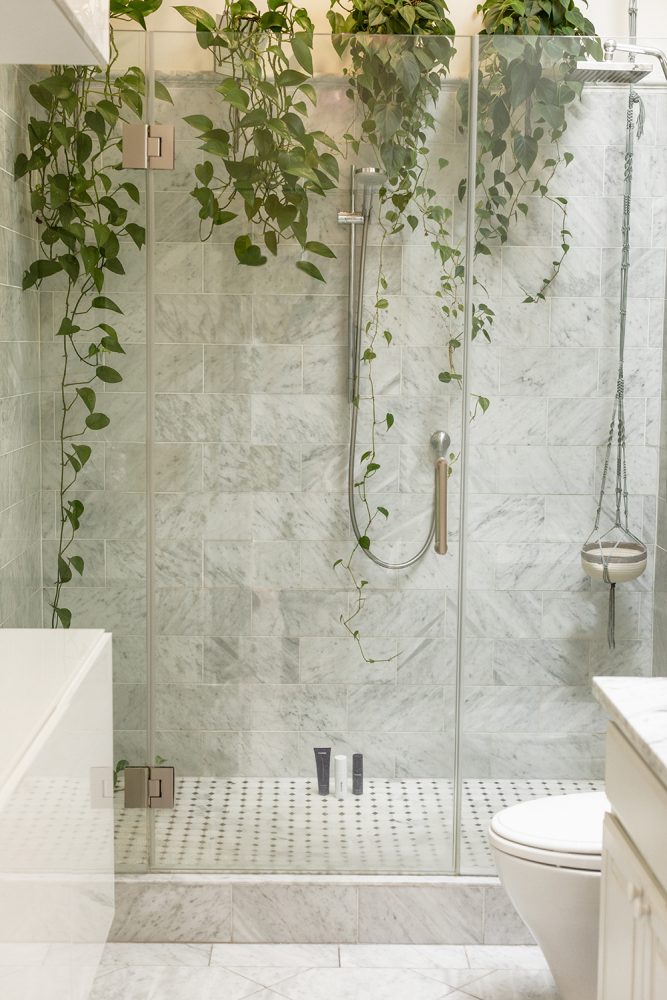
<point>149,787</point>
<point>148,147</point>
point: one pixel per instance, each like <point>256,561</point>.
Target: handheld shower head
<point>369,177</point>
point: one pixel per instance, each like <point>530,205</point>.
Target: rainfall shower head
<point>369,177</point>
<point>589,71</point>
<point>613,71</point>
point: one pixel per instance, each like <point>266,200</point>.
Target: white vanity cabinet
<point>41,32</point>
<point>633,955</point>
<point>633,915</point>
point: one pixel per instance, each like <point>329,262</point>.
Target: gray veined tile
<point>299,319</point>
<point>202,418</point>
<point>252,369</point>
<point>178,368</point>
<point>305,914</point>
<point>178,267</point>
<point>512,420</point>
<point>253,468</point>
<point>545,372</point>
<point>524,269</point>
<point>421,915</point>
<point>168,910</point>
<point>353,984</point>
<point>586,321</point>
<point>266,976</point>
<point>538,470</point>
<point>256,661</point>
<point>338,659</point>
<point>514,985</point>
<point>536,566</point>
<point>277,956</point>
<point>540,661</point>
<point>172,984</point>
<point>505,957</point>
<point>540,709</point>
<point>403,956</point>
<point>203,319</point>
<point>156,954</point>
<point>307,419</point>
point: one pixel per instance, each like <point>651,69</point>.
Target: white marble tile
<point>158,983</point>
<point>356,984</point>
<point>157,954</point>
<point>514,985</point>
<point>428,915</point>
<point>267,976</point>
<point>276,955</point>
<point>307,914</point>
<point>402,956</point>
<point>162,911</point>
<point>505,957</point>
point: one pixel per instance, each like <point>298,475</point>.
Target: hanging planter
<point>609,561</point>
<point>618,555</point>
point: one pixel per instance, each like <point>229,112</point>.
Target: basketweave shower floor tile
<point>283,825</point>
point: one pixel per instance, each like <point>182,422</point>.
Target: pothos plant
<point>264,162</point>
<point>524,95</point>
<point>521,109</point>
<point>80,204</point>
<point>398,55</point>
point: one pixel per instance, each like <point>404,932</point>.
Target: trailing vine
<point>265,162</point>
<point>524,94</point>
<point>80,210</point>
<point>395,82</point>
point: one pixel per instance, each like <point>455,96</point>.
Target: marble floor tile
<point>168,983</point>
<point>515,984</point>
<point>267,976</point>
<point>362,984</point>
<point>505,957</point>
<point>276,955</point>
<point>459,979</point>
<point>157,954</point>
<point>402,956</point>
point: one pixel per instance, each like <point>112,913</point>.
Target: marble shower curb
<point>315,910</point>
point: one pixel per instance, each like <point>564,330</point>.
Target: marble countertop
<point>638,706</point>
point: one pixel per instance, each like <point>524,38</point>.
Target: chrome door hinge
<point>149,787</point>
<point>148,147</point>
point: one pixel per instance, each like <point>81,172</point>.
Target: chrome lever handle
<point>440,443</point>
<point>441,477</point>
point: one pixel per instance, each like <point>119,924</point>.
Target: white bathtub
<point>56,811</point>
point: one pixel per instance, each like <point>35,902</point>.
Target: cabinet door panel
<point>620,932</point>
<point>656,916</point>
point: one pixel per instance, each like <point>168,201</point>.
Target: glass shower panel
<point>113,595</point>
<point>549,235</point>
<point>252,664</point>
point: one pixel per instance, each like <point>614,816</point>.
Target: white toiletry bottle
<point>340,775</point>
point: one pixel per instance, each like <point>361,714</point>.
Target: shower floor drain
<point>283,825</point>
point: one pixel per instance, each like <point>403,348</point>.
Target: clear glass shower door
<point>252,666</point>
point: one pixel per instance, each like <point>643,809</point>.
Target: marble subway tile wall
<point>253,667</point>
<point>537,455</point>
<point>20,533</point>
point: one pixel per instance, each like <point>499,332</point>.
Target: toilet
<point>548,853</point>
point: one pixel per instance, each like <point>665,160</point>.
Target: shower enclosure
<point>219,500</point>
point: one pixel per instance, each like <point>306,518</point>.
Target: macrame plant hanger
<point>618,555</point>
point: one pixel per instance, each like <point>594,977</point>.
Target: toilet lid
<point>566,824</point>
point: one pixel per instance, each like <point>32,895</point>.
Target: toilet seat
<point>564,831</point>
